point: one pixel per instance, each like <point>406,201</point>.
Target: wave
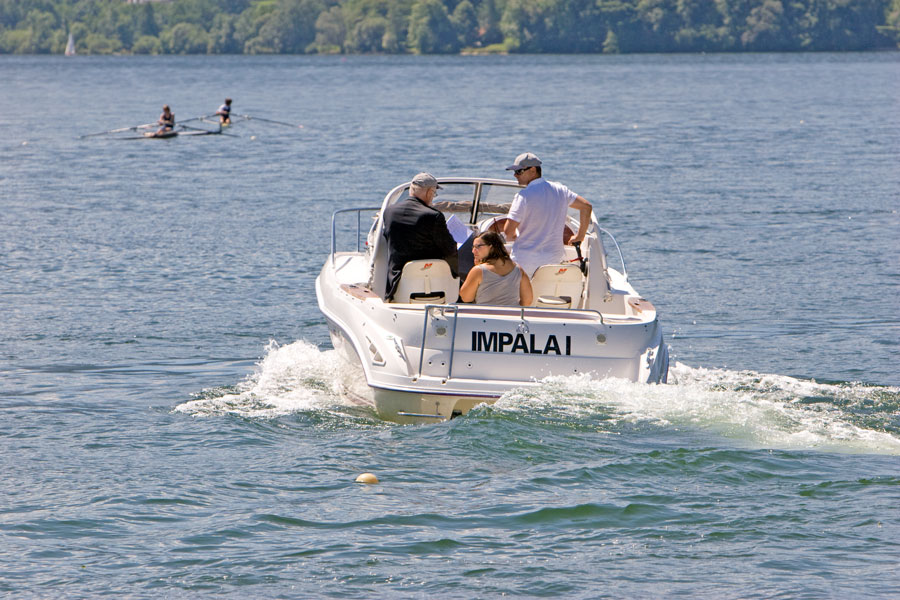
<point>755,409</point>
<point>297,377</point>
<point>762,410</point>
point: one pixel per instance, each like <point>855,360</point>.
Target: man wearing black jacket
<point>416,231</point>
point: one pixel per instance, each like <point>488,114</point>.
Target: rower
<point>166,121</point>
<point>224,112</point>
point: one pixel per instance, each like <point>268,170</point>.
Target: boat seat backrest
<point>427,282</point>
<point>558,281</point>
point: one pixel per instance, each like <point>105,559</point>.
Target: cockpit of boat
<point>472,206</point>
<point>469,208</point>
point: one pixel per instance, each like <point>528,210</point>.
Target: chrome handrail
<point>452,341</point>
<point>428,308</point>
<point>334,227</point>
<point>621,258</point>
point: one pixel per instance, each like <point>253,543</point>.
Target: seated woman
<point>495,279</point>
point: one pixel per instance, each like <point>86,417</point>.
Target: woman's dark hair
<point>496,249</point>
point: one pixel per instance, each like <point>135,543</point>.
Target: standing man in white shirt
<point>538,215</point>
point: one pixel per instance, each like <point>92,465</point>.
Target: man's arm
<point>584,218</point>
<point>509,229</point>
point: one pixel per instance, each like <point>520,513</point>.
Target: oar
<point>119,130</point>
<point>580,258</point>
<point>249,118</point>
<point>183,126</point>
<point>211,132</point>
<point>200,118</point>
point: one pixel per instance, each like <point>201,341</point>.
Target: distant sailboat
<point>70,46</point>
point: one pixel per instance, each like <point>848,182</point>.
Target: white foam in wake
<point>291,378</point>
<point>771,411</point>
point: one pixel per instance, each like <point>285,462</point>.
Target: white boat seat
<point>557,286</point>
<point>427,282</point>
<point>554,301</point>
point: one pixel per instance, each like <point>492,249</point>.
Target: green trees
<point>701,26</point>
<point>222,38</point>
<point>375,25</point>
<point>447,26</point>
<point>891,27</point>
<point>287,29</point>
<point>464,22</point>
<point>368,34</point>
<point>430,29</point>
<point>147,44</point>
<point>331,31</point>
<point>35,34</point>
<point>185,38</point>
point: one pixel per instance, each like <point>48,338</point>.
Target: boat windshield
<point>495,199</point>
<point>470,202</point>
<point>492,200</point>
<point>456,199</point>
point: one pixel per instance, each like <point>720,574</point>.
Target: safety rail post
<point>334,227</point>
<point>428,308</point>
<point>452,342</point>
<point>443,308</point>
<point>616,244</point>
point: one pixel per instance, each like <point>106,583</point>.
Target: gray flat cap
<point>426,180</point>
<point>523,161</point>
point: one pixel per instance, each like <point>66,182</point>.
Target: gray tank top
<point>499,289</point>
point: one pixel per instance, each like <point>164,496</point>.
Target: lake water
<point>168,394</point>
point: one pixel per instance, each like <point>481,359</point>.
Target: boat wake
<point>297,377</point>
<point>754,409</point>
<point>760,410</point>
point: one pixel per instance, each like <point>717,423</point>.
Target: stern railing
<point>616,244</point>
<point>358,230</point>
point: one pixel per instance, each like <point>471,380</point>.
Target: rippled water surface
<point>172,425</point>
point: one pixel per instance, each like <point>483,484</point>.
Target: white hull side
<point>409,385</point>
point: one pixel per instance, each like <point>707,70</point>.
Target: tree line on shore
<point>446,26</point>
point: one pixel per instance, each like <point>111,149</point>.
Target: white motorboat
<point>427,357</point>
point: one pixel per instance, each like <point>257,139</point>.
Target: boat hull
<point>405,407</point>
<point>415,406</point>
<point>460,369</point>
<point>424,363</point>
